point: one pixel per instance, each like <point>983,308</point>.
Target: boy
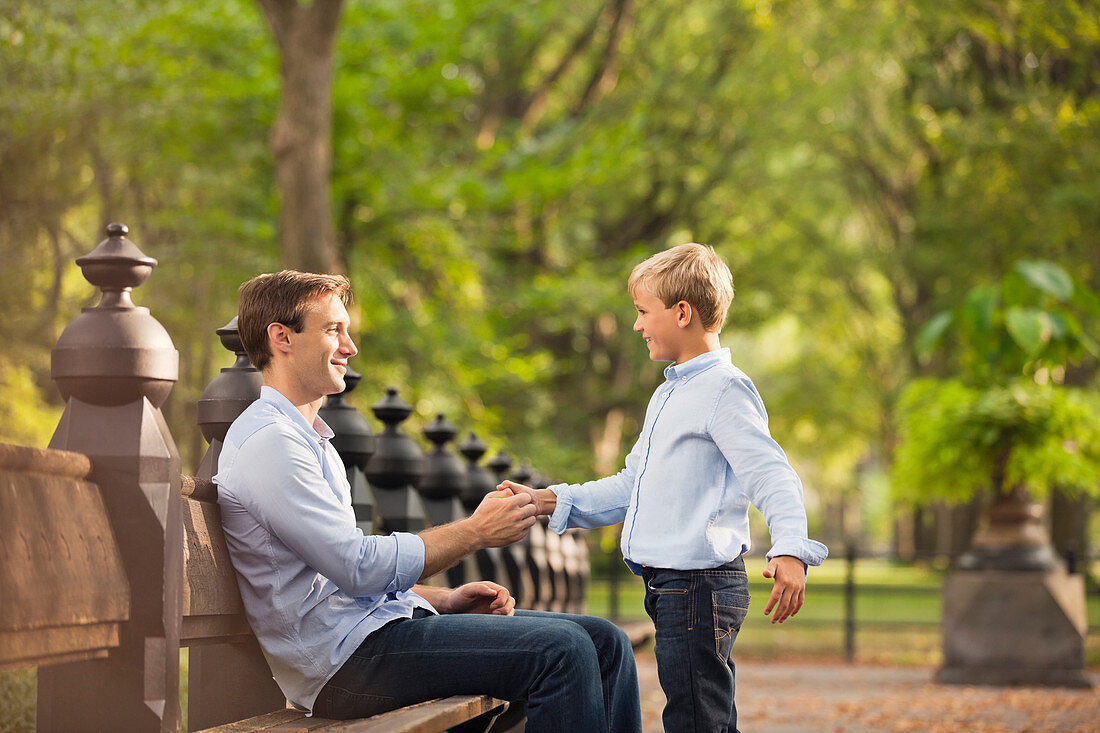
<point>704,454</point>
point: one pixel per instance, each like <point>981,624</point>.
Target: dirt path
<point>816,697</point>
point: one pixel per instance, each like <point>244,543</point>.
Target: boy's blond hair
<point>692,272</point>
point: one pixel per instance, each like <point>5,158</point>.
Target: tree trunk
<point>1069,521</point>
<point>301,139</point>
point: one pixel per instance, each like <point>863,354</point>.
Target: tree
<point>301,139</point>
<point>1006,424</point>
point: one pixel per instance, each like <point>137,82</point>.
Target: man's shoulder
<point>260,416</point>
<point>259,435</point>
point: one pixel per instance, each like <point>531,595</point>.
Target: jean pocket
<point>730,608</point>
<point>667,594</point>
<point>340,703</point>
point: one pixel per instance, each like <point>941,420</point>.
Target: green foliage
<point>957,439</point>
<point>499,168</point>
<point>17,694</point>
<point>1031,321</point>
<point>1006,420</point>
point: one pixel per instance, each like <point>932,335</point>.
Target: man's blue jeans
<point>697,614</point>
<point>575,673</point>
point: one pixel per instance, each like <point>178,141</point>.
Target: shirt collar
<point>283,405</point>
<point>698,364</point>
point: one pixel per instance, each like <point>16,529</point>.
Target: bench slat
<point>427,717</point>
<point>263,722</point>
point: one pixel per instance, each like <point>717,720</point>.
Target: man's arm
<point>482,596</point>
<point>503,517</point>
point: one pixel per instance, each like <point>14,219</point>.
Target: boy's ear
<point>684,313</point>
<point>278,336</point>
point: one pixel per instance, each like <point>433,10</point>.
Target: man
<point>347,630</point>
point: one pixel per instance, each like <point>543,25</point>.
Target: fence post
<point>850,604</point>
<point>114,365</point>
<point>443,482</point>
<point>396,466</point>
<point>227,682</point>
<point>479,482</point>
<point>514,557</point>
<point>354,441</point>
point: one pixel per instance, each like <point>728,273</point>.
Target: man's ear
<point>278,337</point>
<point>684,314</point>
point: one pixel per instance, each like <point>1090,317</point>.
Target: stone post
<point>354,441</point>
<point>479,482</point>
<point>1012,615</point>
<point>443,483</point>
<point>115,365</point>
<point>234,679</point>
<point>537,569</point>
<point>233,389</point>
<point>394,469</point>
<point>517,578</point>
<point>555,561</point>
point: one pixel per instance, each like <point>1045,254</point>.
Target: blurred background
<point>906,193</point>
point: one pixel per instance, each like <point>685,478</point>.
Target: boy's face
<point>659,326</point>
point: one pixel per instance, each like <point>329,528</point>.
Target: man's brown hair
<point>280,297</point>
<point>691,272</point>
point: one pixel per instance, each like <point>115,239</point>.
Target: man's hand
<point>480,597</point>
<point>503,517</point>
<point>790,587</point>
<point>545,500</point>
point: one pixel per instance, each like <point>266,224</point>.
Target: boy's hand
<point>545,500</point>
<point>790,587</point>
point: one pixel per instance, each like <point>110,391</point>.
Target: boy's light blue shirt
<point>313,585</point>
<point>704,454</point>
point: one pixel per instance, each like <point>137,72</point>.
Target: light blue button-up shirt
<point>313,585</point>
<point>704,454</point>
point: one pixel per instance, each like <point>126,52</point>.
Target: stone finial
<point>354,439</point>
<point>445,476</point>
<point>396,468</point>
<point>116,352</point>
<point>499,464</point>
<point>479,481</point>
<point>232,390</point>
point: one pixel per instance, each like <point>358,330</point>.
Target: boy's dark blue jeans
<point>697,614</point>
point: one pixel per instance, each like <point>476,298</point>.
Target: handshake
<point>507,514</point>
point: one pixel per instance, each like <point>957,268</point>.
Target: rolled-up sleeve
<point>596,503</point>
<point>739,427</point>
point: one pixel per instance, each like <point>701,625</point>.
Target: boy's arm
<point>739,427</point>
<point>589,505</point>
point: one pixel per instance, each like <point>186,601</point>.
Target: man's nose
<point>348,347</point>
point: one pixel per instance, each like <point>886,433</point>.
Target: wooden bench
<point>213,614</point>
<point>110,562</point>
<point>64,595</point>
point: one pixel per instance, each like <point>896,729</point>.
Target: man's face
<point>321,351</point>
